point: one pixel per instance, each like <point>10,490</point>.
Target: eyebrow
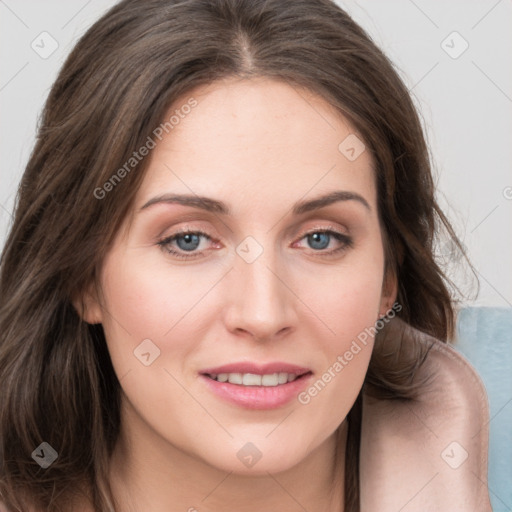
<point>215,206</point>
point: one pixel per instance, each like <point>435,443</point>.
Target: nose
<point>261,303</point>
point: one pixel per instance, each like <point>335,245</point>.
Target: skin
<point>258,145</point>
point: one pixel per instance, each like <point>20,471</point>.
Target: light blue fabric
<point>485,338</point>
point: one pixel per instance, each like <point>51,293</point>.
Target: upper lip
<point>257,369</point>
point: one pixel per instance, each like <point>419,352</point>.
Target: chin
<point>259,456</point>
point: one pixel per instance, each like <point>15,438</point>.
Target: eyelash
<point>346,241</point>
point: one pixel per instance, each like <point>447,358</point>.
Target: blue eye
<point>320,239</point>
<point>186,241</point>
<point>190,241</point>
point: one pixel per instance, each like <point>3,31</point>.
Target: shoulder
<point>430,453</point>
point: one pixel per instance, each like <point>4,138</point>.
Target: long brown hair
<point>57,381</point>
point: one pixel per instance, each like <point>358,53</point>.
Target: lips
<point>256,386</point>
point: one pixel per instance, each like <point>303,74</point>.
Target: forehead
<point>257,141</point>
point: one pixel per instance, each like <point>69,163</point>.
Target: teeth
<point>235,378</point>
<point>283,378</point>
<point>270,380</point>
<point>251,379</point>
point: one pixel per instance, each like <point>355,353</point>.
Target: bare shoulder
<point>430,453</point>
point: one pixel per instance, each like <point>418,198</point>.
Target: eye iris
<point>189,238</point>
<point>319,240</point>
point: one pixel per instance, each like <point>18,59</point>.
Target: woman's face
<point>273,284</point>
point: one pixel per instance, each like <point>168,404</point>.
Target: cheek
<point>347,302</point>
<point>148,298</point>
<point>143,301</point>
<point>151,328</point>
<point>344,297</point>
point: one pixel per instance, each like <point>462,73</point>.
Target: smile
<point>253,386</point>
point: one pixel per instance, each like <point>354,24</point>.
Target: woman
<point>219,290</point>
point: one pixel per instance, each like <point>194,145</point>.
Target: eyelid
<point>315,228</point>
<point>203,231</point>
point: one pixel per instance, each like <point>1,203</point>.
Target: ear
<point>88,306</point>
<point>389,292</point>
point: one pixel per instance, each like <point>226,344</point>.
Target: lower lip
<point>258,397</point>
